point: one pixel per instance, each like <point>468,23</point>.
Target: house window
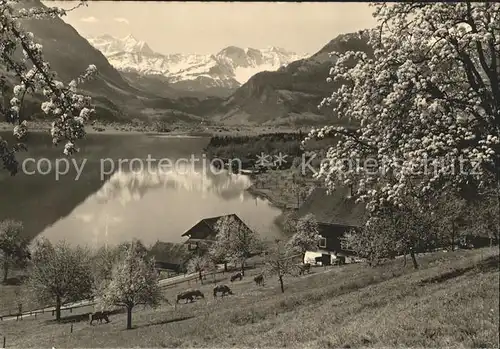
<point>322,243</point>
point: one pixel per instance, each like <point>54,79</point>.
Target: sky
<point>208,27</point>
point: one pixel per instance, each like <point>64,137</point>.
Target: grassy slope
<point>451,301</point>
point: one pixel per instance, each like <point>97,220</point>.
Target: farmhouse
<point>169,256</point>
<point>336,214</point>
<point>204,231</point>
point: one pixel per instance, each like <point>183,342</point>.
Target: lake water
<point>148,205</point>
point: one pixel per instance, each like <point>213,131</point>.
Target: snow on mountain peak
<point>229,68</point>
<point>110,45</point>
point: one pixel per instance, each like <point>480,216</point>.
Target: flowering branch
<point>70,109</point>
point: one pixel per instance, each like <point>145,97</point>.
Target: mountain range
<point>127,87</point>
<point>217,74</point>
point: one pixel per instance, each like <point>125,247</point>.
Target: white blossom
<point>426,93</point>
<point>35,76</point>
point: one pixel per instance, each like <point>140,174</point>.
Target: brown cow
<point>237,276</point>
<point>190,295</point>
<point>224,289</point>
<point>259,280</point>
<point>99,316</point>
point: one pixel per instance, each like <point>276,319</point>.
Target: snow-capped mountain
<point>219,73</point>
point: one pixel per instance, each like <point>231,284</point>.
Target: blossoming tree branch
<point>428,94</point>
<point>69,109</point>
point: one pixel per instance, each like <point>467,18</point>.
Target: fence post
<point>71,331</point>
<point>4,341</point>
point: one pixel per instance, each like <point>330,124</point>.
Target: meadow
<point>451,301</point>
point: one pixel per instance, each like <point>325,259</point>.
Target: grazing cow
<point>190,295</point>
<point>237,276</point>
<point>259,280</point>
<point>224,289</point>
<point>99,316</point>
<point>304,267</point>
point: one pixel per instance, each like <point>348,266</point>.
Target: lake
<point>94,202</point>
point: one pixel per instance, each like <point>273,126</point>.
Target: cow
<point>236,276</point>
<point>190,295</point>
<point>99,316</point>
<point>259,280</point>
<point>303,268</point>
<point>224,289</point>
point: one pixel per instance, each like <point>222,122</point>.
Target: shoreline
<point>263,195</point>
<point>194,130</point>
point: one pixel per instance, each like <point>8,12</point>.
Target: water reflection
<point>161,206</point>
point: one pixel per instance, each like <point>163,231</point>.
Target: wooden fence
<point>15,313</point>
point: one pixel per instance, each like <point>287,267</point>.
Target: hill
<point>452,301</point>
<point>69,54</point>
<point>291,94</point>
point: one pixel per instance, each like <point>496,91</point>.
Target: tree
<point>307,235</point>
<point>235,241</point>
<point>61,273</point>
<point>14,248</point>
<point>136,244</point>
<point>396,230</point>
<point>281,260</point>
<point>199,264</point>
<point>375,241</point>
<point>134,281</point>
<point>298,188</point>
<point>450,213</point>
<point>102,267</point>
<point>484,216</point>
<point>427,102</point>
<point>288,222</point>
<point>69,109</point>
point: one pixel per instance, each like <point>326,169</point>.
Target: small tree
<point>298,188</point>
<point>235,241</point>
<point>103,262</point>
<point>14,248</point>
<point>199,264</point>
<point>450,212</point>
<point>280,260</point>
<point>376,241</point>
<point>134,281</point>
<point>61,273</point>
<point>136,244</point>
<point>307,235</point>
<point>395,230</point>
<point>288,222</point>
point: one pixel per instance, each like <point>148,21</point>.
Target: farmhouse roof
<point>205,228</point>
<point>335,209</point>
